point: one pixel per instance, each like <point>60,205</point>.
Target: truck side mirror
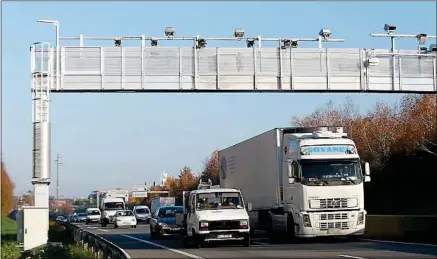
<point>367,172</point>
<point>249,206</point>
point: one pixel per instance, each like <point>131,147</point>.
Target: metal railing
<point>100,247</point>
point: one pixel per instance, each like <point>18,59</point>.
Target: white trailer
<point>306,182</point>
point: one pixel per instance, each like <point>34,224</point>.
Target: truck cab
<point>214,214</point>
<point>323,191</point>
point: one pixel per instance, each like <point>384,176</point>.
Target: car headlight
<point>162,224</point>
<point>244,223</point>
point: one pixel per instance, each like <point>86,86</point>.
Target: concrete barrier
<point>410,228</point>
<point>101,247</point>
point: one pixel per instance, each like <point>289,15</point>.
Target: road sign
<point>139,187</point>
<point>138,194</point>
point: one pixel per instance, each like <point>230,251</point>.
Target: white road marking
<point>351,256</point>
<point>104,230</point>
<point>398,242</point>
<point>163,247</point>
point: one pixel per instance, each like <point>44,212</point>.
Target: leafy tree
<point>7,190</point>
<point>187,181</point>
<point>211,168</point>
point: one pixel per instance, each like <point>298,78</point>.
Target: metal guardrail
<point>100,247</point>
<point>412,228</point>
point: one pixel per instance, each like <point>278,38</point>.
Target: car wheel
<point>115,226</point>
<point>135,226</point>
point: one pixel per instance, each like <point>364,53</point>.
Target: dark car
<point>163,221</point>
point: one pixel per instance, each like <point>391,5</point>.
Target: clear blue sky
<point>117,140</point>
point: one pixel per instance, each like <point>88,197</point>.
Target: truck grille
<point>333,216</point>
<point>333,203</point>
<point>224,225</point>
<point>331,225</point>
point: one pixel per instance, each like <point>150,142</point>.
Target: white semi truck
<point>305,182</point>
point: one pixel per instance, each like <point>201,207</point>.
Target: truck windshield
<point>219,201</point>
<point>114,206</point>
<point>330,172</point>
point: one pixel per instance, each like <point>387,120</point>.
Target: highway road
<point>137,243</point>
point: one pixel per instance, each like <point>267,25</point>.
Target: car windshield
<point>94,212</point>
<point>142,211</point>
<point>317,172</point>
<point>114,206</point>
<point>169,212</point>
<point>124,213</point>
<point>219,200</point>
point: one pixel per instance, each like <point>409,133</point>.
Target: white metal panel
<point>35,235</point>
<point>252,167</point>
<point>95,69</point>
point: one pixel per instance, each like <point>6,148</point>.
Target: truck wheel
<point>246,241</point>
<point>291,233</point>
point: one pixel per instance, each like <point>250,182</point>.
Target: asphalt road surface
<point>137,243</point>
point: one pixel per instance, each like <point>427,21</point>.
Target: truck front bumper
<point>331,224</point>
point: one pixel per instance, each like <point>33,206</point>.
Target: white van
<point>92,215</point>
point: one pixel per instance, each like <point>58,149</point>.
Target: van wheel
<point>198,241</point>
<point>246,241</point>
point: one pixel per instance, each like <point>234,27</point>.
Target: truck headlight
<point>306,220</point>
<point>360,218</point>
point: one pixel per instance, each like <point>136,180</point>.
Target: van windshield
<point>142,211</point>
<point>219,201</point>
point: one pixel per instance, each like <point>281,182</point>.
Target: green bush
<point>10,250</point>
<point>58,252</point>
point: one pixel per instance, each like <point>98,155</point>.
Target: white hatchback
<point>125,218</point>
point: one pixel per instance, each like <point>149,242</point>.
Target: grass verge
<point>69,250</point>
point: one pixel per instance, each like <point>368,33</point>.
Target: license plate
<point>334,231</point>
<point>224,236</point>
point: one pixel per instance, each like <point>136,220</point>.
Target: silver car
<point>142,213</point>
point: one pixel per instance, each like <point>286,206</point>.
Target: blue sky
<point>117,140</point>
